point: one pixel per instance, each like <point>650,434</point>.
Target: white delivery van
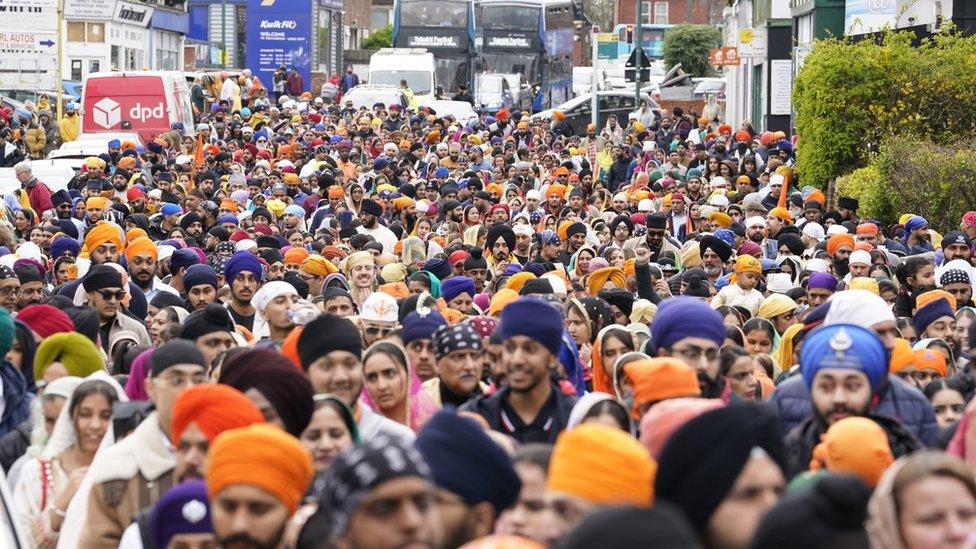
<point>389,66</point>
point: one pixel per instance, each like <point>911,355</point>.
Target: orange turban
<point>724,128</point>
<point>656,379</point>
<point>902,356</point>
<point>229,204</point>
<point>289,347</point>
<point>452,316</point>
<point>855,445</point>
<point>317,265</point>
<point>333,252</point>
<point>133,234</point>
<point>559,115</point>
<point>621,473</point>
<point>867,228</point>
<point>261,456</point>
<point>556,189</point>
<point>103,232</point>
<point>933,295</point>
<point>140,246</point>
<point>929,359</point>
<point>723,219</point>
<point>838,240</point>
<point>127,163</point>
<point>500,300</point>
<point>517,280</point>
<point>215,408</point>
<point>562,230</point>
<point>630,267</point>
<point>295,256</point>
<point>398,290</point>
<point>600,277</point>
<point>403,202</point>
<point>335,191</point>
<point>782,213</point>
<point>98,202</point>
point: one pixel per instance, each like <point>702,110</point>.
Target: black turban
<point>717,245</point>
<point>210,319</point>
<point>500,231</point>
<point>325,334</point>
<point>702,459</point>
<point>288,390</point>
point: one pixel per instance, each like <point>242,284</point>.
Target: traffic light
<point>630,34</point>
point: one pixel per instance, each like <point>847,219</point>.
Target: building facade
<point>103,35</point>
<point>670,12</point>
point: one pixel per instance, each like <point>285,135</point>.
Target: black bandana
<point>460,337</point>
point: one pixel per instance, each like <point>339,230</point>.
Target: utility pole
<point>60,86</point>
<point>638,44</point>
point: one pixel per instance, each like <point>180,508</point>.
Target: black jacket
<point>801,441</point>
<point>490,407</point>
<point>14,444</point>
<point>618,173</point>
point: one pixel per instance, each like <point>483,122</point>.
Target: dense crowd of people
<point>299,324</point>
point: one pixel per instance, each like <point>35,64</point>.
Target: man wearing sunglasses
<point>378,317</point>
<point>103,284</point>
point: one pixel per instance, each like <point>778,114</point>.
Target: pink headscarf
<point>135,388</point>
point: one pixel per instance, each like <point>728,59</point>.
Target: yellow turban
<point>276,207</point>
<point>516,281</point>
<point>643,311</point>
<point>630,267</point>
<point>690,257</point>
<point>94,162</point>
<point>317,265</point>
<point>775,304</point>
<point>140,246</point>
<point>865,283</point>
<point>103,232</point>
<point>358,258</point>
<point>621,473</point>
<point>262,456</point>
<point>99,202</point>
<point>393,272</point>
<point>403,203</point>
<point>782,213</point>
<point>748,264</point>
<point>600,277</point>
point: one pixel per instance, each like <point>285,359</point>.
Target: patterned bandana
<point>460,337</point>
<point>954,276</point>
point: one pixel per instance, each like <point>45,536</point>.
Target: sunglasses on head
<point>109,294</point>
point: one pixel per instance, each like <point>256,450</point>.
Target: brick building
<point>670,12</point>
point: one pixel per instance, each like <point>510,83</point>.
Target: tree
<point>600,13</point>
<point>689,45</point>
<point>382,38</point>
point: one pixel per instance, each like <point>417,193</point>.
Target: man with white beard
<point>715,253</point>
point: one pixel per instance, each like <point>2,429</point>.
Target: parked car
<point>579,113</point>
<point>74,153</point>
<point>705,87</point>
<point>492,92</point>
<point>462,111</point>
<point>367,95</point>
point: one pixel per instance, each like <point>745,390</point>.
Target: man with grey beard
<point>715,253</point>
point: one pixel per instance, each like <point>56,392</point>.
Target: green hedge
<point>916,175</point>
<point>849,96</point>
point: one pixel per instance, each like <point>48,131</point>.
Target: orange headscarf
<point>601,381</point>
<point>215,408</point>
<point>262,456</point>
<point>930,359</point>
<point>621,473</point>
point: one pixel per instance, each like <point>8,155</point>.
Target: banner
<point>279,32</point>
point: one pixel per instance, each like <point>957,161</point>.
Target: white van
<point>389,66</point>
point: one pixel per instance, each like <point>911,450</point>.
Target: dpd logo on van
<point>140,113</point>
<point>106,113</point>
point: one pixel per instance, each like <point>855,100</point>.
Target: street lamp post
<point>223,34</point>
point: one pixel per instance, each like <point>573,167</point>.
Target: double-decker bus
<point>446,28</point>
<point>652,40</point>
<point>533,38</point>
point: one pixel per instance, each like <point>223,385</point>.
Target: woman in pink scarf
<point>392,388</point>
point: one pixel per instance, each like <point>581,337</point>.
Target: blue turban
<point>466,462</point>
<point>155,147</point>
<point>929,313</point>
<point>441,172</point>
<point>199,275</point>
<point>295,209</point>
<point>844,346</point>
<point>569,358</point>
<point>457,285</point>
<point>439,267</point>
<point>681,317</point>
<point>64,244</point>
<point>171,242</point>
<point>169,209</point>
<point>380,163</point>
<point>535,319</point>
<point>726,236</point>
<point>114,144</point>
<point>824,281</point>
<point>228,218</point>
<point>239,262</point>
<point>417,326</point>
<point>183,509</point>
<point>182,259</point>
<point>915,222</point>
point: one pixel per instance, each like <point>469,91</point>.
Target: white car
<point>54,173</point>
<point>462,111</point>
<point>74,153</point>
